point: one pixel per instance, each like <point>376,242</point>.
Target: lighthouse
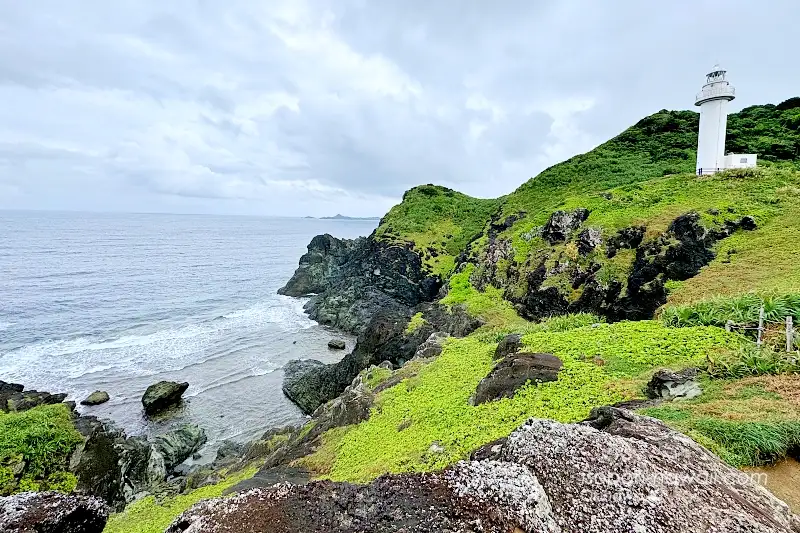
<point>713,101</point>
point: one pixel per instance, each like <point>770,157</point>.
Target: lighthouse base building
<point>713,102</point>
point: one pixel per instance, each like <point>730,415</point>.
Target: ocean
<point>116,302</point>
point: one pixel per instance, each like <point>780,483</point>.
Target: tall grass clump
<point>740,310</point>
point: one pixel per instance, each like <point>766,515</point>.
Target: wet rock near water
<point>615,472</point>
<point>163,395</point>
<point>96,398</point>
<point>515,371</point>
<point>384,339</point>
<point>117,468</point>
<point>669,385</point>
<point>337,344</point>
<point>14,398</point>
<point>52,512</point>
<point>349,281</point>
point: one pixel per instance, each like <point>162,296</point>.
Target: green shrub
<point>742,310</point>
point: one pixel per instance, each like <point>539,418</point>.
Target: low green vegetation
<point>438,221</point>
<point>742,310</point>
<point>35,446</point>
<point>488,305</point>
<point>415,323</point>
<point>151,516</point>
<point>432,407</point>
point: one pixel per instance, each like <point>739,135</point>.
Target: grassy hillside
<point>643,177</point>
<point>438,222</point>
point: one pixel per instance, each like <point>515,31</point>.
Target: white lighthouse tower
<point>713,101</point>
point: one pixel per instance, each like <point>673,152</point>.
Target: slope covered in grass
<point>426,422</point>
<point>438,222</point>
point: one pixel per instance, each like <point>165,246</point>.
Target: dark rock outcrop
<point>163,395</point>
<point>668,385</point>
<point>561,225</point>
<point>677,254</point>
<point>616,472</point>
<point>350,281</point>
<point>508,345</point>
<point>117,468</point>
<point>300,390</point>
<point>14,398</point>
<point>515,371</point>
<point>52,512</point>
<point>384,339</point>
<point>96,398</point>
<point>337,344</point>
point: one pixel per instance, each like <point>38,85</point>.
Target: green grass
<point>150,516</point>
<point>42,437</point>
<point>432,407</point>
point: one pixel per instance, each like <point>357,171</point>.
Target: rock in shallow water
<point>162,395</point>
<point>96,398</point>
<point>617,472</point>
<point>52,512</point>
<point>337,344</point>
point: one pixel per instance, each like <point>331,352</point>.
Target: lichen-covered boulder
<point>515,371</point>
<point>433,346</point>
<point>162,395</point>
<point>52,512</point>
<point>14,398</point>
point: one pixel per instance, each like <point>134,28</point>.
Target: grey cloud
<point>342,105</point>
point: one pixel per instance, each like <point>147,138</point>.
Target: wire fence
<point>787,323</point>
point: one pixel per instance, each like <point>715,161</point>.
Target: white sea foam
<point>5,325</point>
<point>166,350</point>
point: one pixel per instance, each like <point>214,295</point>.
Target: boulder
<point>616,472</point>
<point>668,385</point>
<point>162,395</point>
<point>118,468</point>
<point>302,392</point>
<point>52,512</point>
<point>337,344</point>
<point>96,398</point>
<point>432,347</point>
<point>508,345</point>
<point>514,372</point>
<point>350,407</point>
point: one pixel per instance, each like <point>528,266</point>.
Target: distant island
<point>342,217</point>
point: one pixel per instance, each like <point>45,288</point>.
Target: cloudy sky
<point>292,107</point>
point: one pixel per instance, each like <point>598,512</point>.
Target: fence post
<point>789,334</point>
<point>760,325</point>
<point>729,325</point>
